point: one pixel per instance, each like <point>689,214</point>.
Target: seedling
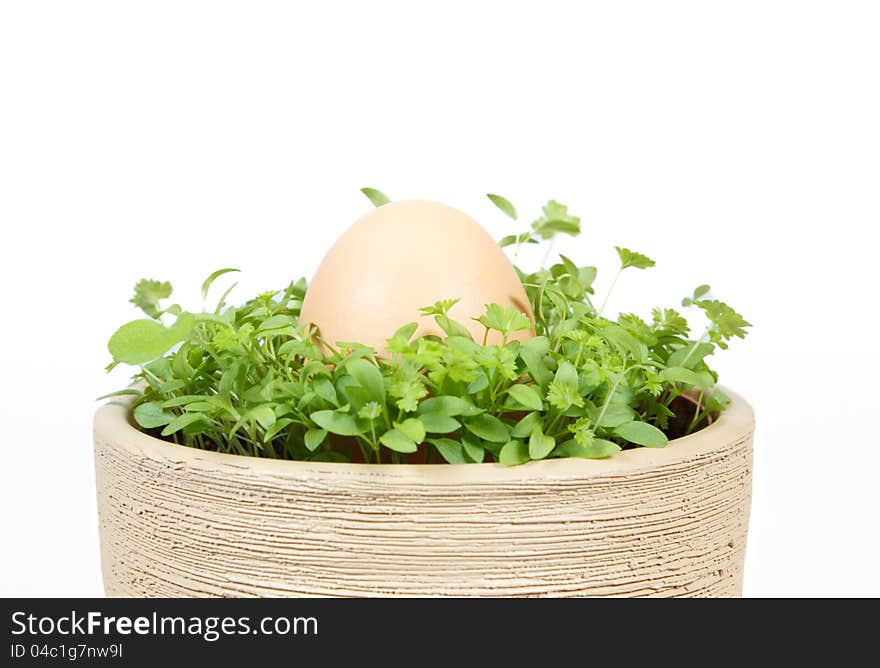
<point>251,380</point>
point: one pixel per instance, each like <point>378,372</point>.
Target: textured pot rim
<point>113,424</point>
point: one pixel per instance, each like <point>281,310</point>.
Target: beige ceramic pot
<point>176,521</point>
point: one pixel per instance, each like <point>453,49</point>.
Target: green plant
<point>251,380</point>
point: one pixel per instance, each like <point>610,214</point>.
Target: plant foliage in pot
<point>538,447</point>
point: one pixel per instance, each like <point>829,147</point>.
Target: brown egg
<point>401,257</point>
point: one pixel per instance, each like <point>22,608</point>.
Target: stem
<point>364,451</point>
<point>146,371</point>
<point>268,447</point>
<point>539,301</point>
<point>540,304</point>
<point>694,347</point>
<point>323,342</point>
<point>253,438</point>
<point>696,419</point>
<point>608,398</point>
<point>547,254</point>
<point>493,392</point>
<point>553,422</point>
<point>270,348</point>
<point>610,289</point>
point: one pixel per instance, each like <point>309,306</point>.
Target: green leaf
<point>147,294</point>
<point>668,321</point>
<point>505,319</point>
<point>503,204</point>
<point>464,345</point>
<point>642,433</point>
<point>439,308</point>
<point>375,196</point>
<point>630,258</point>
<point>314,437</point>
<point>564,267</point>
<point>690,355</point>
<point>705,380</point>
<point>400,341</point>
<point>324,389</point>
<point>407,392</point>
<point>452,327</point>
<point>206,286</point>
<point>563,392</point>
<point>222,301</point>
<point>586,276</point>
<point>726,323</point>
<point>514,453</point>
<point>488,427</point>
<point>566,375</point>
<point>182,421</point>
<point>337,423</point>
<point>524,427</point>
<point>556,219</point>
<point>368,377</point>
<point>551,227</point>
<point>182,400</point>
<point>276,429</point>
<point>120,393</point>
<point>412,428</point>
<point>201,407</point>
<point>624,341</point>
<point>448,405</point>
<point>450,450</point>
<point>142,341</point>
<point>172,386</point>
<point>616,414</point>
<point>533,353</point>
<point>275,322</point>
<point>701,291</point>
<point>370,410</point>
<point>472,448</point>
<point>540,445</point>
<point>398,441</point>
<point>480,383</point>
<point>232,378</point>
<point>678,374</point>
<point>527,395</point>
<point>264,415</point>
<point>151,415</point>
<point>511,239</point>
<point>435,423</point>
<point>329,456</point>
<point>599,448</point>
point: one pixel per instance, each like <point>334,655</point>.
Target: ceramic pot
<point>176,521</point>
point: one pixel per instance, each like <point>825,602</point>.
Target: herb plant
<point>251,380</point>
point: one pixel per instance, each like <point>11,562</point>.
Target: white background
<point>736,143</point>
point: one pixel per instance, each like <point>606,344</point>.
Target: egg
<point>403,256</point>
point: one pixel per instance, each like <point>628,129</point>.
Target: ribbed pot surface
<point>176,521</point>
